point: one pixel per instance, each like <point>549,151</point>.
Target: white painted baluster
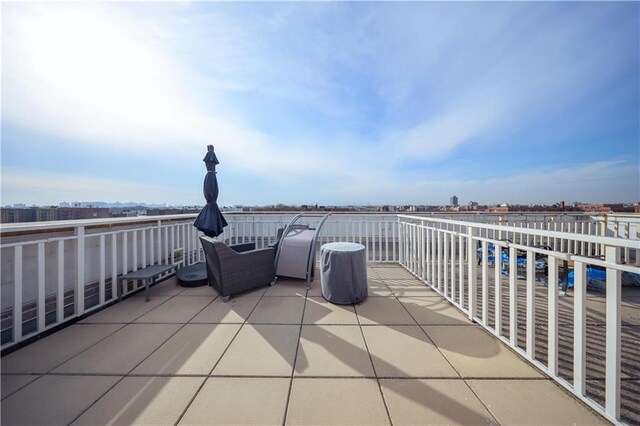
<point>366,243</point>
<point>513,296</point>
<point>393,238</point>
<point>114,265</point>
<point>166,245</point>
<point>60,294</point>
<point>135,251</point>
<point>102,277</point>
<point>125,254</point>
<point>452,248</point>
<point>380,241</point>
<point>531,304</point>
<point>497,254</point>
<point>445,273</point>
<point>461,269</point>
<point>17,293</point>
<point>434,262</point>
<point>427,254</point>
<point>553,316</point>
<point>472,263</point>
<point>485,283</point>
<point>152,246</point>
<point>579,327</point>
<point>41,288</point>
<point>613,350</point>
<point>79,296</point>
<point>386,239</point>
<point>144,248</point>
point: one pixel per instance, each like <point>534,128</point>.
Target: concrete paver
<point>532,402</point>
<point>332,350</point>
<point>260,350</point>
<point>54,400</point>
<point>120,352</point>
<point>45,354</point>
<point>247,401</point>
<point>413,402</point>
<point>336,402</point>
<point>194,349</point>
<point>143,400</point>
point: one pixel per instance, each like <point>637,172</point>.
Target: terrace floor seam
<point>295,360</point>
<point>186,408</point>
<point>375,373</point>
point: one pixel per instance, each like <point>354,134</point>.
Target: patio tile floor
<point>280,355</point>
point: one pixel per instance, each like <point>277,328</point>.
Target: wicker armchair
<point>237,268</point>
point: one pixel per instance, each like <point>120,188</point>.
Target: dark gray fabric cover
<point>343,273</point>
<point>210,220</point>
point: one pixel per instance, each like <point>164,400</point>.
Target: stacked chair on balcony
<point>237,268</point>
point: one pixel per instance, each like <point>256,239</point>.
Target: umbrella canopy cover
<point>210,220</point>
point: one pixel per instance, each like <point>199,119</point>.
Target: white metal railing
<point>53,272</point>
<point>445,255</point>
<point>377,232</point>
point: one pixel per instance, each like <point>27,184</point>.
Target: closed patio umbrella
<point>210,220</point>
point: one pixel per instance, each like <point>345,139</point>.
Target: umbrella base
<point>193,276</point>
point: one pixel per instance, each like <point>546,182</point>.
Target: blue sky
<point>330,103</point>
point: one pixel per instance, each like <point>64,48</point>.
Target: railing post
<point>513,296</point>
<point>497,265</point>
<point>445,265</point>
<point>553,316</point>
<point>102,263</point>
<point>17,293</point>
<point>613,338</point>
<point>531,305</point>
<point>114,266</point>
<point>41,288</point>
<point>579,327</point>
<point>472,259</point>
<point>485,283</point>
<point>60,297</point>
<point>461,269</point>
<point>400,240</point>
<point>79,300</point>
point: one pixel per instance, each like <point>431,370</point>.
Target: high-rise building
<point>454,201</point>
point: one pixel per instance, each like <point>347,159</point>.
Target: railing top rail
<point>65,224</point>
<point>619,242</point>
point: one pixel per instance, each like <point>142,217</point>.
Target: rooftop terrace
<point>430,345</point>
<point>281,355</point>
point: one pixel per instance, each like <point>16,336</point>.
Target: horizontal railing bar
<point>605,264</point>
<point>556,254</point>
<point>620,242</point>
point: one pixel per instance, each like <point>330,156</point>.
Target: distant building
<point>45,214</point>
<point>77,213</point>
<point>16,215</point>
<point>454,201</point>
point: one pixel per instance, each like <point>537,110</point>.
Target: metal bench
<point>149,273</point>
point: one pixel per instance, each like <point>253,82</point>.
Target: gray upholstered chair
<point>237,268</point>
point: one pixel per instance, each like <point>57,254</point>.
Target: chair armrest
<point>244,247</point>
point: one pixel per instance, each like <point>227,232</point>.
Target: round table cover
<point>343,273</point>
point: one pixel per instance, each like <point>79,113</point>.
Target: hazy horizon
<point>328,103</point>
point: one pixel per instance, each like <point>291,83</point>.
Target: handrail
<point>622,242</point>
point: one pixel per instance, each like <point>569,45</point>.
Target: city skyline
<point>338,103</point>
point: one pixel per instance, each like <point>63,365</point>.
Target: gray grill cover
<point>343,273</point>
